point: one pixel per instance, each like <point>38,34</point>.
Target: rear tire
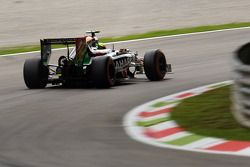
<point>35,74</point>
<point>103,72</point>
<point>155,65</point>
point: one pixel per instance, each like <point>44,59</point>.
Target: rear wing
<point>64,41</point>
<point>46,44</point>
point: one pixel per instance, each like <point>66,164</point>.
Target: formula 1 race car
<point>91,62</point>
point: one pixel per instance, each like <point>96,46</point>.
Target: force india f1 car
<point>91,62</point>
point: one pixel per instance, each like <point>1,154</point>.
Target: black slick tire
<point>155,65</point>
<point>35,74</point>
<point>103,72</point>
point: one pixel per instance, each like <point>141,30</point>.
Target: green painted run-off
<point>185,140</point>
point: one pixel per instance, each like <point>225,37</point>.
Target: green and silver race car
<point>90,62</point>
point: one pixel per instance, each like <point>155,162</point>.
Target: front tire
<point>155,65</point>
<point>35,74</point>
<point>103,72</point>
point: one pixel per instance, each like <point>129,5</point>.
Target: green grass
<point>19,49</point>
<point>36,47</point>
<point>22,49</point>
<point>209,115</point>
<point>177,31</point>
<point>163,103</point>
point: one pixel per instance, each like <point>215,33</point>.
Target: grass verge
<point>36,47</point>
<point>209,115</point>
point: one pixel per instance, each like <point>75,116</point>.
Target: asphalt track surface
<point>26,21</point>
<point>58,127</point>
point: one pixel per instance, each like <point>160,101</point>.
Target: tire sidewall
<point>159,61</point>
<point>103,72</point>
<point>35,74</point>
<point>153,60</point>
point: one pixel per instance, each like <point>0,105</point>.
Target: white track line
<point>180,35</point>
<point>144,39</point>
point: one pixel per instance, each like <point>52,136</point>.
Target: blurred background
<point>26,21</point>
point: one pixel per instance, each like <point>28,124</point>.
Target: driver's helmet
<point>101,45</point>
<point>92,41</point>
<point>88,39</point>
<point>95,42</point>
